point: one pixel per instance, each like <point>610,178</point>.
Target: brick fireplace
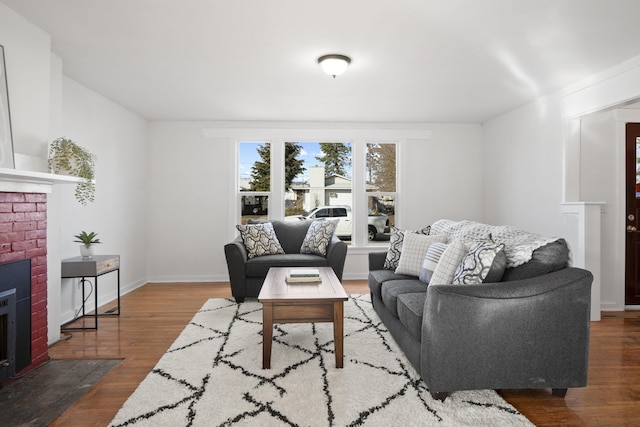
<point>23,235</point>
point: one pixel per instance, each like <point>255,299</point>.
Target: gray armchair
<point>247,275</point>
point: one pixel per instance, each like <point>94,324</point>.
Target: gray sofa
<point>530,330</point>
<point>247,274</point>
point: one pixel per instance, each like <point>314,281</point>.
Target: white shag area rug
<point>212,376</point>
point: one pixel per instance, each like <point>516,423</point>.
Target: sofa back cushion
<point>546,259</point>
<point>518,244</point>
<point>291,234</point>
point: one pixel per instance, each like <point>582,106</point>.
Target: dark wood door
<point>632,258</point>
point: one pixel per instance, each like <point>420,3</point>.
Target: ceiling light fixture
<point>333,64</point>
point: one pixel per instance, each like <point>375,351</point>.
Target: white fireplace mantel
<point>21,181</point>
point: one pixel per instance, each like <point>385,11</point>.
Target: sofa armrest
<point>531,333</point>
<point>236,255</point>
<point>376,260</point>
<point>336,255</point>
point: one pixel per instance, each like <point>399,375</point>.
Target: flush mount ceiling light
<point>333,64</point>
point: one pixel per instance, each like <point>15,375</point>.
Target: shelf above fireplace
<point>20,181</point>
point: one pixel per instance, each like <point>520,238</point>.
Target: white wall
<point>600,166</point>
<point>119,214</point>
<point>523,164</point>
<point>526,170</point>
<point>443,177</point>
<point>26,50</point>
<point>28,61</point>
<point>44,105</point>
<point>193,175</point>
<point>188,224</point>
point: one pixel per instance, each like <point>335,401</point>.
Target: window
<point>381,171</point>
<point>295,179</point>
<point>318,175</point>
<point>254,180</point>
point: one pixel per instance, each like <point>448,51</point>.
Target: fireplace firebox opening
<point>15,309</point>
<point>7,334</point>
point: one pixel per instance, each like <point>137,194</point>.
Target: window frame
<point>240,194</point>
<point>380,194</point>
<point>358,135</point>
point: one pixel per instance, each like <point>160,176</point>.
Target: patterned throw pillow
<point>498,268</point>
<point>260,239</point>
<point>475,266</point>
<point>395,246</point>
<point>318,237</point>
<point>414,248</point>
<point>430,261</point>
<point>448,263</point>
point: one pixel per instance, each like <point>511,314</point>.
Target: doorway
<point>632,193</point>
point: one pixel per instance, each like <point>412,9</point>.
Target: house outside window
<point>322,176</point>
<point>315,180</point>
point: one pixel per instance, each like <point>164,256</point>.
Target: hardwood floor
<point>155,314</point>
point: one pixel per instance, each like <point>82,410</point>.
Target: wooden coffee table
<point>312,302</point>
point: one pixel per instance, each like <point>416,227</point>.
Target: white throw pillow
<point>448,263</point>
<point>414,248</point>
<point>395,245</point>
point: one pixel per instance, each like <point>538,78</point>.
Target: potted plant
<point>67,157</point>
<point>87,240</point>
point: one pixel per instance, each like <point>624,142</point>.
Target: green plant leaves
<point>87,239</point>
<point>67,156</point>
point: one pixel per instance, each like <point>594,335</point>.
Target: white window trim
<point>358,134</point>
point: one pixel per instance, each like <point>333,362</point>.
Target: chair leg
<point>559,392</point>
<point>440,395</point>
<point>239,300</point>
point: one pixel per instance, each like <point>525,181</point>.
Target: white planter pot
<point>86,252</point>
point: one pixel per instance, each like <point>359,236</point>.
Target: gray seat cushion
<point>377,277</point>
<point>391,289</point>
<point>259,266</point>
<point>410,310</point>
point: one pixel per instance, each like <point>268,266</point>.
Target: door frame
<point>626,212</point>
<point>622,117</point>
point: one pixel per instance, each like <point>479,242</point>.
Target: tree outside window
<point>254,180</point>
<point>319,175</point>
<point>381,171</point>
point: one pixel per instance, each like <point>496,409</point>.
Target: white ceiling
<point>419,60</point>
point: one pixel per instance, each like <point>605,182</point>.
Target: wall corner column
<point>586,250</point>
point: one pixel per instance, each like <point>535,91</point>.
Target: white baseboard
<point>103,299</point>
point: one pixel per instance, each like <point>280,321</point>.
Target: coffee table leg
<point>338,331</point>
<point>267,334</point>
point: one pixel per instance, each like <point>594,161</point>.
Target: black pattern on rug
<point>212,375</point>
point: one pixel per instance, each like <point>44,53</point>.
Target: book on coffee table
<point>307,272</point>
<point>303,276</point>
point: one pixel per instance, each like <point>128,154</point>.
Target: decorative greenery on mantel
<point>67,157</point>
